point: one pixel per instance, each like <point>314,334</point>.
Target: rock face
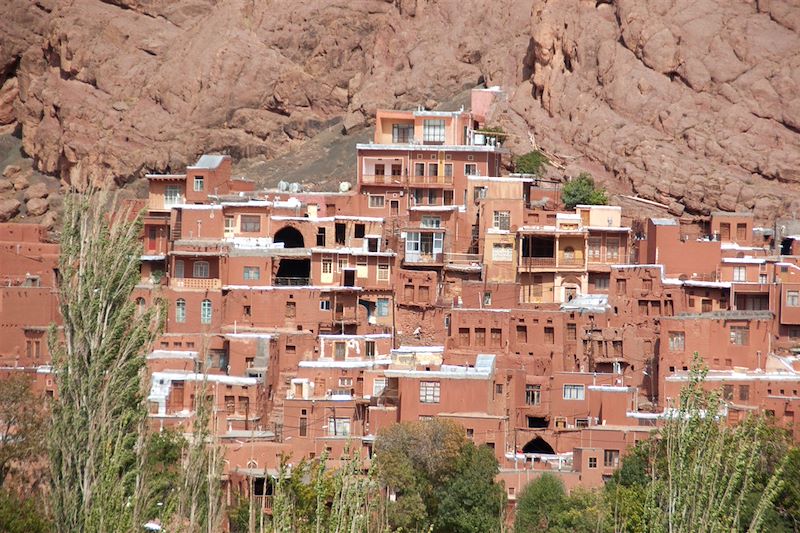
<point>8,209</point>
<point>693,103</point>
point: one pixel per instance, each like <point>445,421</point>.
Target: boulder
<point>36,191</point>
<point>37,206</point>
<point>11,170</point>
<point>9,209</point>
<point>20,183</point>
<point>6,185</point>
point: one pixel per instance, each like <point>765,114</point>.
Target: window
<point>432,196</point>
<point>595,244</point>
<point>382,307</point>
<point>376,200</point>
<point>487,298</point>
<point>739,273</point>
<point>447,197</point>
<point>247,310</point>
<point>431,222</point>
<point>402,133</point>
<point>252,273</point>
<point>180,310</point>
<point>727,392</point>
<point>339,351</point>
<point>622,286</point>
<point>205,312</point>
<point>581,422</point>
<point>793,298</point>
<point>522,334</point>
<point>433,131</point>
<point>327,266</point>
<point>324,305</point>
<point>706,305</point>
<point>345,382</point>
<point>383,272</point>
<point>572,331</point>
<point>429,391</point>
<point>172,195</point>
<point>359,231</point>
<point>502,220</point>
<point>744,393</point>
<point>533,394</point>
<point>463,336</point>
<point>448,170</point>
<point>740,335</point>
<point>369,348</point>
<point>250,223</point>
<point>496,337</point>
<point>480,336</point>
<point>230,404</point>
<point>471,169</point>
<point>502,251</point>
<point>198,183</point>
<point>762,278</point>
<point>378,386</point>
<point>470,433</point>
<point>677,341</point>
<point>33,348</point>
<point>611,458</point>
<point>592,462</point>
<point>419,169</point>
<point>574,392</point>
<point>320,236</point>
<point>200,269</point>
<point>612,249</point>
<point>498,388</point>
<point>549,335</point>
<point>291,310</point>
<point>338,427</point>
<point>380,170</point>
<point>601,282</point>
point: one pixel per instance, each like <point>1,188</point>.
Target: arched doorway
<point>572,288</point>
<point>290,237</point>
<point>538,445</point>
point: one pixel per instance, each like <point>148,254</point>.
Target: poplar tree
<point>97,431</point>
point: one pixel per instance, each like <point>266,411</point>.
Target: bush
<point>538,504</point>
<point>582,191</point>
<point>531,163</point>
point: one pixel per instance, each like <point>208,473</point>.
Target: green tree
<point>538,503</point>
<point>471,501</point>
<point>440,479</point>
<point>22,516</point>
<point>582,191</point>
<point>96,435</point>
<point>531,163</point>
<point>22,424</point>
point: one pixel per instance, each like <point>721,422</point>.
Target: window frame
<point>577,392</point>
<point>201,270</point>
<point>430,391</point>
<point>206,311</point>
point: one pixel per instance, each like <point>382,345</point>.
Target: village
<point>434,287</point>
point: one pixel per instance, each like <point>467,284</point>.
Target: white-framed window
<point>402,133</point>
<point>502,252</point>
<point>677,341</point>
<point>502,220</point>
<point>595,247</point>
<point>740,335</point>
<point>382,307</point>
<point>200,269</point>
<point>429,221</point>
<point>327,266</point>
<point>324,305</point>
<point>172,194</point>
<point>205,312</point>
<point>383,272</point>
<point>533,394</point>
<point>378,386</point>
<point>612,248</point>
<point>762,278</point>
<point>252,272</point>
<point>574,392</point>
<point>739,273</point>
<point>345,382</point>
<point>471,169</point>
<point>198,183</point>
<point>487,298</point>
<point>792,298</point>
<point>180,310</point>
<point>376,200</point>
<point>433,130</point>
<point>338,427</point>
<point>429,391</point>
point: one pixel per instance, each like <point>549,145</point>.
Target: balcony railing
<point>462,259</point>
<point>195,283</point>
<point>419,257</point>
<point>382,179</point>
<point>570,261</point>
<point>292,281</point>
<point>164,202</point>
<point>537,262</point>
<point>263,502</point>
<point>431,180</point>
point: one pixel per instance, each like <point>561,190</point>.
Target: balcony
<point>195,283</point>
<point>423,258</point>
<point>264,503</point>
<point>165,203</point>
<point>291,282</point>
<point>536,262</point>
<point>430,180</point>
<point>567,261</point>
<point>382,179</point>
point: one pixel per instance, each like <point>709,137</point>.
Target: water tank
<point>295,187</point>
<point>283,186</point>
<point>345,186</point>
<point>479,139</point>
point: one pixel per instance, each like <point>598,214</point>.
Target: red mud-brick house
<point>437,287</point>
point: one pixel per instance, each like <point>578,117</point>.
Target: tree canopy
<point>531,163</point>
<point>582,191</point>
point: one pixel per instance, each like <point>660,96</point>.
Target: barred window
<point>429,391</point>
<point>574,392</point>
<point>433,131</point>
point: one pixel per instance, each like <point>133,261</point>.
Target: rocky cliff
<point>694,104</point>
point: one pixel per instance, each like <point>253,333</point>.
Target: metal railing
<point>292,281</point>
<point>418,257</point>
